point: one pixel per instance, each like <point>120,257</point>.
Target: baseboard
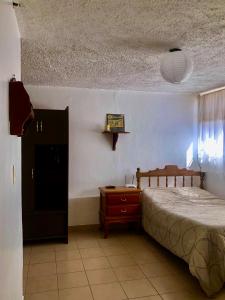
<point>83,227</point>
<point>84,210</point>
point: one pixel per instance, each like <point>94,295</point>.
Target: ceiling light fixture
<point>176,66</point>
<point>16,3</point>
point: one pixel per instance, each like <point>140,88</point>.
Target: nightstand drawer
<point>123,210</point>
<point>115,199</point>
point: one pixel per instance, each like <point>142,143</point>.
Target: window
<point>211,131</point>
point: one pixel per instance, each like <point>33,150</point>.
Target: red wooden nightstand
<point>119,205</point>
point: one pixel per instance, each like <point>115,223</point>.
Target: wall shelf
<point>20,108</point>
<point>115,136</point>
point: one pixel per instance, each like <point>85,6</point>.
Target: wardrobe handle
<point>32,173</point>
<point>41,126</point>
<point>37,127</point>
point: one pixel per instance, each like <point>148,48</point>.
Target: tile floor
<point>127,265</point>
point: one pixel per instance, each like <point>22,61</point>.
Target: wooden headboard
<point>169,171</point>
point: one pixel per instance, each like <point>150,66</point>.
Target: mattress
<point>190,222</point>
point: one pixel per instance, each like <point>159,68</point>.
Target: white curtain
<point>211,131</point>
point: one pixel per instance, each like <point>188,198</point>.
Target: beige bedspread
<point>190,222</point>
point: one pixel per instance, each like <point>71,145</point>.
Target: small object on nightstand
<point>130,185</point>
<point>110,186</point>
<point>129,181</point>
<point>119,205</point>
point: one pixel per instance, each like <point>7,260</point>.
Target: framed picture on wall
<point>115,122</point>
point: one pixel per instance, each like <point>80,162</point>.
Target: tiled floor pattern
<point>125,266</point>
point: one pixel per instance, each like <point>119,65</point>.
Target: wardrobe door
<point>51,177</point>
<point>45,176</point>
<point>32,134</point>
<point>52,126</point>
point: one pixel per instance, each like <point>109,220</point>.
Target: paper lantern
<point>176,66</point>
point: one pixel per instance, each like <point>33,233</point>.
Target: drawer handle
<point>123,210</point>
<point>123,200</point>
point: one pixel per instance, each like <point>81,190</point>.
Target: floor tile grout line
<point>145,276</point>
<point>123,289</point>
<point>86,276</point>
<point>57,275</point>
<point>104,269</point>
<point>120,283</point>
<point>140,279</point>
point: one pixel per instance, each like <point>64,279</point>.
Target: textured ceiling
<point>117,44</point>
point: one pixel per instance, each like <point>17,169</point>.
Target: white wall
<point>10,195</point>
<point>214,183</point>
<point>161,126</point>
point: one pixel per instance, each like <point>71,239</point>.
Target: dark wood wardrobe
<point>45,176</point>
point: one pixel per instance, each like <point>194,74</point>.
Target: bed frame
<point>169,171</point>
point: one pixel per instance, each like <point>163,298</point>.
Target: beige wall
<point>162,128</point>
<point>10,194</point>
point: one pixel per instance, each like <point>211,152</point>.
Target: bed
<point>188,221</point>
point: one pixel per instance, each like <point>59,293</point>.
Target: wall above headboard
<point>163,132</point>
